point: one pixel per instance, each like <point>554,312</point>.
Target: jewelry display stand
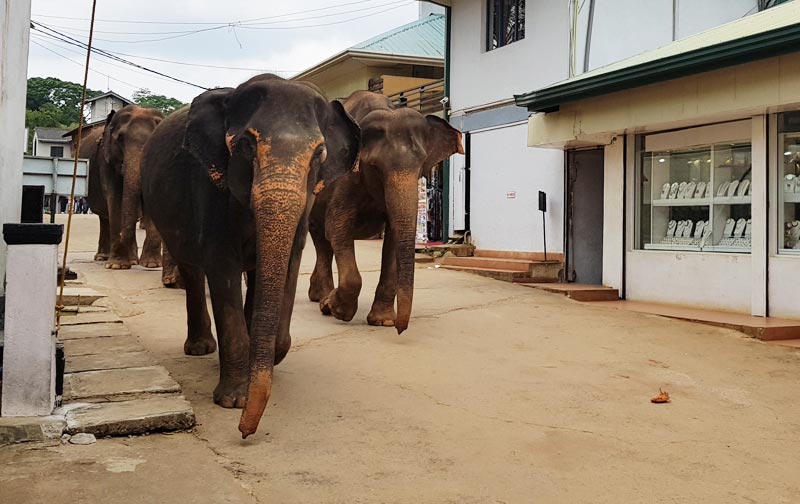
<point>709,186</point>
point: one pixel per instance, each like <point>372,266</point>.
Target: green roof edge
<point>714,57</point>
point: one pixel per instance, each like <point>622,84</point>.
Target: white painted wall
<point>42,148</point>
<point>625,28</point>
<point>478,77</point>
<point>501,163</point>
<point>14,23</point>
<point>613,213</point>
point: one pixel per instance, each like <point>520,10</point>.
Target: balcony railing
<point>426,99</point>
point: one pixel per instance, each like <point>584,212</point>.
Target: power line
<point>81,65</point>
<point>182,62</point>
<point>65,38</point>
<point>207,22</point>
<point>41,38</point>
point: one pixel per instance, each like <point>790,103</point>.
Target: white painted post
<point>29,367</point>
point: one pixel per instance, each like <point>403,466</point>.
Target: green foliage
<point>54,102</point>
<point>145,98</point>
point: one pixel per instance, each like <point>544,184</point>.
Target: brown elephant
<point>124,136</point>
<point>398,147</point>
<point>91,150</point>
<point>229,183</point>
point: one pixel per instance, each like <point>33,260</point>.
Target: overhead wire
<point>81,64</point>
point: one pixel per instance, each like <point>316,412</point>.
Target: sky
<point>252,36</point>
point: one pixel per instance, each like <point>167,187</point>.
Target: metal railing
<point>426,98</point>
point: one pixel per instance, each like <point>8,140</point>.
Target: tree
<point>58,101</point>
<point>145,98</point>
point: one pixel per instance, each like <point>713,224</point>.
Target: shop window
<point>505,22</point>
<point>695,197</point>
<point>789,185</point>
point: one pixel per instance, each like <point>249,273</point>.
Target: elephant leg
<point>322,277</point>
<point>199,340</point>
<point>382,312</point>
<point>342,302</point>
<point>170,273</point>
<point>234,342</point>
<point>120,257</point>
<point>151,250</point>
<point>103,242</point>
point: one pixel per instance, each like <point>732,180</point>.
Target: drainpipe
<point>589,24</point>
<point>446,163</point>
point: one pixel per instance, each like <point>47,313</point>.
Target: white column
<point>29,350</point>
<point>15,17</point>
<point>760,217</point>
<point>613,214</point>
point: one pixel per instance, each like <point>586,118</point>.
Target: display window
<point>789,185</point>
<point>694,189</point>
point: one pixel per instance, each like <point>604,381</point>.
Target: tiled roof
<point>424,37</point>
<point>50,134</point>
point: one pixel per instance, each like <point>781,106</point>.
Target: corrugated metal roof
<point>424,37</point>
<point>50,134</point>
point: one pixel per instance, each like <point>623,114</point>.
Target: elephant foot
<point>150,261</point>
<point>339,306</point>
<point>316,293</point>
<point>101,256</point>
<point>381,315</point>
<point>171,278</point>
<point>231,393</point>
<point>202,346</point>
<point>118,264</point>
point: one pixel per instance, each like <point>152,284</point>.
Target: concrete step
<point>498,274</point>
<point>579,292</point>
<point>489,263</point>
<point>125,383</point>
<point>125,418</point>
<point>513,254</point>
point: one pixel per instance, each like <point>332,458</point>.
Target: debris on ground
<point>83,438</point>
<point>662,397</point>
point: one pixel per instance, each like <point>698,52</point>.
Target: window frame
<point>57,147</point>
<point>519,28</point>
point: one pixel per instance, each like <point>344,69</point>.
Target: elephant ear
<point>343,141</point>
<point>443,141</point>
<point>204,137</point>
<point>106,138</point>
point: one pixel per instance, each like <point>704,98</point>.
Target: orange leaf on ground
<point>662,397</point>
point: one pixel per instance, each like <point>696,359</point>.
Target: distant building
<point>51,142</point>
<point>101,106</point>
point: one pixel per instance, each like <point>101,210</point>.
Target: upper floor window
<point>505,22</point>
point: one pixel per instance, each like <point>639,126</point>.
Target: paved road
<point>496,394</point>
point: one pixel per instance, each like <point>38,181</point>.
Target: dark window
<point>505,22</point>
<point>56,151</point>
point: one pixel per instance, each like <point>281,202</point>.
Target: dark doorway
<point>32,204</point>
<point>584,219</point>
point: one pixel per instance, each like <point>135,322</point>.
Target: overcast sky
<point>283,37</point>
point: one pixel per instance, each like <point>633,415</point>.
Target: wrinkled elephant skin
<point>229,182</point>
<point>398,147</point>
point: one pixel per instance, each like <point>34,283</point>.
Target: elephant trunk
<point>278,202</point>
<point>401,205</point>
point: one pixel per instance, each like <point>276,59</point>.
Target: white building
<point>698,142</point>
<point>14,19</point>
<point>51,142</point>
<point>100,106</point>
<point>499,48</point>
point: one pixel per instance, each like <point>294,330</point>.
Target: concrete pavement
<point>496,393</point>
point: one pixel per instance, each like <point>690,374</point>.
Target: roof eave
<point>367,55</point>
<point>734,52</point>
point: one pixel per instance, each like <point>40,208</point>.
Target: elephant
<point>399,145</point>
<point>91,150</point>
<point>229,182</point>
<point>121,145</point>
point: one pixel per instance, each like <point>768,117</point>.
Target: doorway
<point>584,217</point>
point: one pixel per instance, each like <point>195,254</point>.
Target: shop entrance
<point>584,217</point>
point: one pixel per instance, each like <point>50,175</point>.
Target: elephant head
<point>272,144</point>
<point>398,147</point>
